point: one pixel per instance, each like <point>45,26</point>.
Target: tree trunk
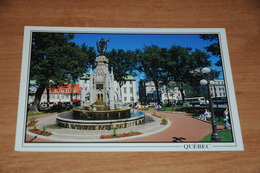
<point>157,91</point>
<point>71,93</point>
<point>167,93</point>
<point>48,96</point>
<point>182,95</point>
<point>37,99</point>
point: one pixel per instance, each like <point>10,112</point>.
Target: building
<point>127,94</point>
<point>148,93</point>
<point>216,90</point>
<point>128,90</point>
<point>60,94</point>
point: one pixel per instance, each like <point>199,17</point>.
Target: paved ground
<point>181,125</point>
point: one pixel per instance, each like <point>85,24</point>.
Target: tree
<point>79,59</point>
<point>184,67</point>
<point>151,64</point>
<point>123,64</point>
<point>54,58</point>
<point>214,48</point>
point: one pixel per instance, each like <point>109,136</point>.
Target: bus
<point>220,100</point>
<point>196,101</point>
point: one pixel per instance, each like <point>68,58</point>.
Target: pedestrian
<point>155,108</point>
<point>226,118</point>
<point>205,115</point>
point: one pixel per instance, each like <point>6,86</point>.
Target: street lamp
<point>215,135</point>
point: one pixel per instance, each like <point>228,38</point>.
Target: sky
<point>134,41</point>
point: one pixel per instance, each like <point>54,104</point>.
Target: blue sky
<point>134,41</point>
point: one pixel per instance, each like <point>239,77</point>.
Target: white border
<point>20,145</point>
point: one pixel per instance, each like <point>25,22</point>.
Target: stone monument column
<point>111,91</point>
<point>83,94</point>
<point>91,88</point>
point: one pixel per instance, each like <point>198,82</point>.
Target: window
<point>124,90</point>
<point>131,90</point>
<point>125,98</point>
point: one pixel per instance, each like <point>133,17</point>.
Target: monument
<point>100,102</point>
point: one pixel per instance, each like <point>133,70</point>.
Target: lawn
<point>35,113</point>
<point>226,136</point>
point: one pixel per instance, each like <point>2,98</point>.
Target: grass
<point>35,113</point>
<point>218,120</point>
<point>164,108</point>
<point>226,136</point>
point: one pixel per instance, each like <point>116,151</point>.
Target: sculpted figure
<point>102,46</point>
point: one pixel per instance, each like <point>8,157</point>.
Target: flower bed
<point>40,132</point>
<point>121,135</point>
<point>158,116</point>
<point>163,123</point>
<point>31,123</point>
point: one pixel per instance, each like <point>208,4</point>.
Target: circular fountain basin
<point>100,120</point>
<point>100,114</point>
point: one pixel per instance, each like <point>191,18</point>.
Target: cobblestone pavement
<point>180,125</point>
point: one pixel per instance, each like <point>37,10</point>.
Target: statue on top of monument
<point>102,46</point>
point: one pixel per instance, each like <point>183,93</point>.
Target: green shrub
<point>44,129</point>
<point>218,112</point>
<point>32,119</point>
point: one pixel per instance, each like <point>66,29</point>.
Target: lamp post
<point>215,135</point>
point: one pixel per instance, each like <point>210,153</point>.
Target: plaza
<point>180,124</point>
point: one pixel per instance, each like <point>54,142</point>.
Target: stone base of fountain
<point>99,120</point>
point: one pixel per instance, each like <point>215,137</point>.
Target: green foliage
<point>123,63</point>
<point>151,62</point>
<point>164,119</point>
<point>114,130</point>
<point>178,64</point>
<point>35,113</point>
<point>34,127</point>
<point>32,119</point>
<point>44,129</point>
<point>196,110</point>
<point>218,112</point>
<point>54,58</point>
<point>214,48</point>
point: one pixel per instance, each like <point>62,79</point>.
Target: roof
<point>130,77</point>
<point>66,89</point>
<point>86,76</point>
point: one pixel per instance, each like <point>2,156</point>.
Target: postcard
<point>126,89</point>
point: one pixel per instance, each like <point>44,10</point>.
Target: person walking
<point>226,118</point>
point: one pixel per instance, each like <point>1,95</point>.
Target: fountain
<point>102,109</point>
